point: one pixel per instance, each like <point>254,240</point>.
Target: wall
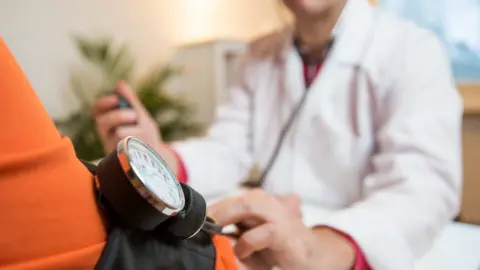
<point>39,32</point>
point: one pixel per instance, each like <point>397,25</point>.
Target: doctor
<point>353,111</point>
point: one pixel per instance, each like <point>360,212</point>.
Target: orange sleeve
<point>49,218</point>
<point>225,258</point>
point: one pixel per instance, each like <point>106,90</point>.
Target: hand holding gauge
<point>143,191</point>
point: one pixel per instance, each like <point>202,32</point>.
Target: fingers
<point>253,263</point>
<point>257,239</point>
<point>124,131</point>
<point>104,104</point>
<point>254,204</point>
<point>233,200</point>
<point>108,122</point>
<point>109,102</point>
<point>126,92</point>
<point>293,203</point>
<point>290,200</point>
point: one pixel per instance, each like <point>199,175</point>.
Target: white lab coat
<point>376,149</point>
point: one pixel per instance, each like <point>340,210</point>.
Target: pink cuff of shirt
<point>182,175</point>
<point>360,260</point>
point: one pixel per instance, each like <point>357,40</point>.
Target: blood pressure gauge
<point>151,176</point>
<point>139,186</point>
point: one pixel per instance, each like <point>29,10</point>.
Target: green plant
<point>108,64</point>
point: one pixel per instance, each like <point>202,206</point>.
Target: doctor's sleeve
<point>414,188</point>
<point>215,164</point>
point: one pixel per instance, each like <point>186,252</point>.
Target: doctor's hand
<point>115,124</point>
<point>276,236</point>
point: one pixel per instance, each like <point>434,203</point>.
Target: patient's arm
<point>48,215</point>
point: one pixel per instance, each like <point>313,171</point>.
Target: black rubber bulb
<point>122,102</point>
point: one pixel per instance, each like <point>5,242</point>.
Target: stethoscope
<point>257,182</point>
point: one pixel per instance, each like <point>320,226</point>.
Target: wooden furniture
<point>470,212</point>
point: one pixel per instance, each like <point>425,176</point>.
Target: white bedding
<point>458,248</point>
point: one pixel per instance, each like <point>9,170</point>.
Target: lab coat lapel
<point>352,37</point>
<point>354,32</point>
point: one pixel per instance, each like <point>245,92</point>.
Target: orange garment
<point>49,219</point>
<point>48,214</point>
<point>225,259</point>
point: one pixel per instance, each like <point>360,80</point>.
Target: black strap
<point>91,167</point>
<point>128,248</point>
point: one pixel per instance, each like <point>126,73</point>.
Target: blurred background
<point>182,52</point>
<point>153,30</point>
<point>182,55</point>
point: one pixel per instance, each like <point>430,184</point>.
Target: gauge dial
<point>153,172</point>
